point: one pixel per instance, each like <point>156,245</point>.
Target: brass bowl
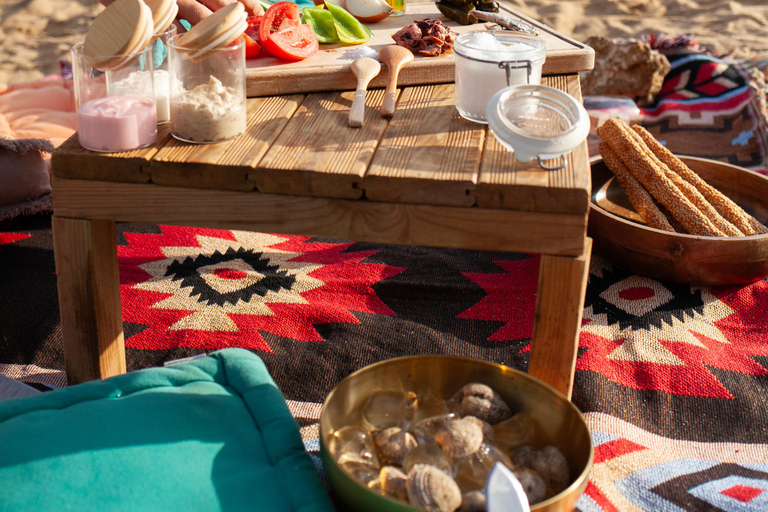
<point>620,235</point>
<point>559,420</point>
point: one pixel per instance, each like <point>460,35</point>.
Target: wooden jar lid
<point>163,14</point>
<point>123,28</point>
<point>215,31</point>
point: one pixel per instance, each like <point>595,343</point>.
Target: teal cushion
<point>210,434</point>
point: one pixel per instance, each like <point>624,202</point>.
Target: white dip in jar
<point>478,74</point>
<point>209,112</point>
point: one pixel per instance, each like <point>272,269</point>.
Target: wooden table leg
<point>559,306</point>
<point>89,298</point>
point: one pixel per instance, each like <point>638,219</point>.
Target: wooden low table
<point>426,177</point>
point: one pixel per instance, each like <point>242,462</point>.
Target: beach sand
<point>36,34</point>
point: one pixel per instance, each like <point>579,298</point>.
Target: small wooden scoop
<point>364,69</point>
<point>395,57</point>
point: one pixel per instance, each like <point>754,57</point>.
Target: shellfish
<point>534,486</point>
<point>479,400</point>
<point>550,463</point>
<point>473,501</point>
<point>460,438</point>
<point>431,489</point>
<point>393,482</point>
<point>394,444</point>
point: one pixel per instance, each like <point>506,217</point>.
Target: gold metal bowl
<point>560,422</point>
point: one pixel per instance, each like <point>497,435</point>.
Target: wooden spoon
<point>364,69</point>
<point>395,57</point>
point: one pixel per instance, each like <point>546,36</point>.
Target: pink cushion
<point>34,110</point>
<point>38,110</point>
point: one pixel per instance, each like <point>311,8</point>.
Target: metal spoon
<point>395,57</point>
<point>364,69</point>
<point>504,492</point>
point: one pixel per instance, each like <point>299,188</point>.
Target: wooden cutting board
<point>330,68</point>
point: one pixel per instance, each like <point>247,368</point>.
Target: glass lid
<point>536,121</point>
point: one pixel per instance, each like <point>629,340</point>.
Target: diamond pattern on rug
<point>207,288</point>
<point>636,470</point>
<point>635,326</point>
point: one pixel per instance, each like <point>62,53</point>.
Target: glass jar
<point>398,7</point>
<point>162,74</point>
<point>207,92</point>
<point>537,122</point>
<point>490,60</point>
<point>115,107</point>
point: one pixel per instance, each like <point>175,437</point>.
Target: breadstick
<point>640,199</point>
<point>743,221</point>
<point>689,191</point>
<point>633,153</point>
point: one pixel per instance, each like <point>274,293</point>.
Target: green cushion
<point>210,434</point>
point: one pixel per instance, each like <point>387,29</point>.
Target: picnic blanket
<point>672,379</point>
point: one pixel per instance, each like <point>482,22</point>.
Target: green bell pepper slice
<point>348,28</point>
<point>321,22</point>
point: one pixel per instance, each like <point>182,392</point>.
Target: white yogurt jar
<point>208,101</point>
<point>490,60</point>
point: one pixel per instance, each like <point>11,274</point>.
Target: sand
<point>36,34</point>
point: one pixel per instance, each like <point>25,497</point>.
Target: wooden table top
<point>302,145</point>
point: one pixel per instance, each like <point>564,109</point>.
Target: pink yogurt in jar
<point>117,123</point>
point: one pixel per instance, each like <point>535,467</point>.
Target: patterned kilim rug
<point>672,379</point>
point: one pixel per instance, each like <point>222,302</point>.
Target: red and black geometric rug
<point>672,379</point>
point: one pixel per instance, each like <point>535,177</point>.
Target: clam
<point>481,401</point>
<point>431,489</point>
<point>473,501</point>
<point>460,438</point>
<point>394,444</point>
<point>550,463</point>
<point>534,486</point>
<point>393,482</point>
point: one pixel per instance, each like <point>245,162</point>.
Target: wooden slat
<point>71,160</point>
<point>227,165</point>
<point>318,153</point>
<point>89,297</point>
<point>428,154</point>
<point>506,183</point>
<point>559,307</point>
<point>469,228</point>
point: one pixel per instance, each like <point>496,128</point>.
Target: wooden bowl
<point>559,421</point>
<point>619,234</point>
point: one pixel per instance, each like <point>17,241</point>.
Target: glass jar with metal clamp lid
<point>538,122</point>
<point>490,60</point>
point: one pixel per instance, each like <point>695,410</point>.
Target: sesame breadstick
<point>693,195</point>
<point>640,199</point>
<point>727,208</point>
<point>633,153</point>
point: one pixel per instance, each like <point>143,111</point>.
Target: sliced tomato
<point>294,43</point>
<point>252,42</point>
<point>280,16</point>
<point>252,48</point>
